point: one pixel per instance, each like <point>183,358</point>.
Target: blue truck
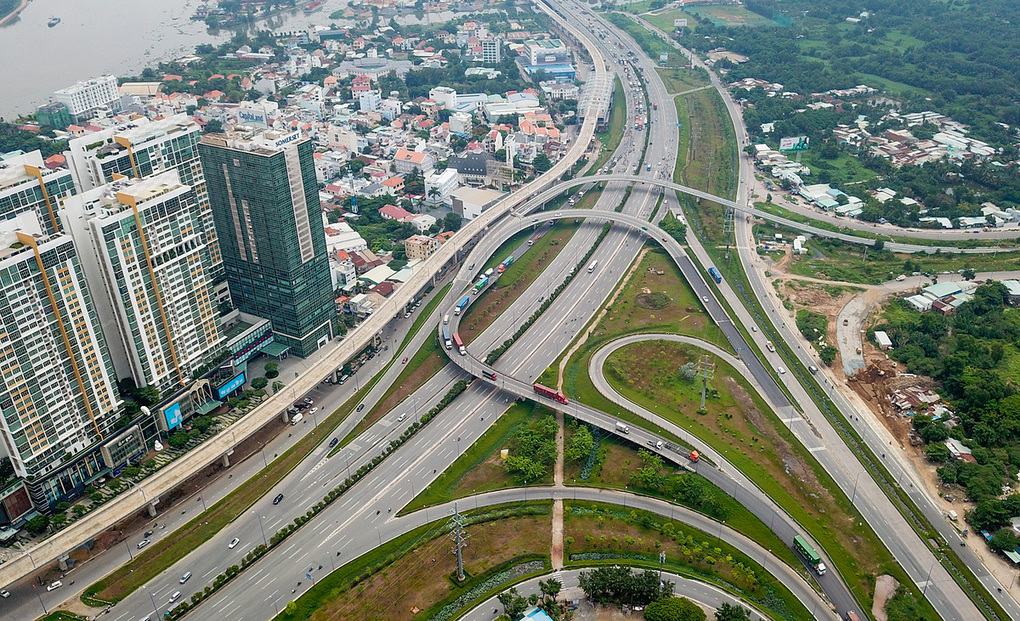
<point>461,305</point>
<point>446,338</point>
<point>714,273</point>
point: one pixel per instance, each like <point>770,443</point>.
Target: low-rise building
<point>471,202</point>
<point>420,247</point>
<point>440,186</point>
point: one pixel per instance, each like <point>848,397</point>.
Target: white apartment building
<point>26,185</point>
<point>84,97</point>
<point>440,186</point>
<point>370,101</point>
<point>143,148</point>
<point>146,257</point>
<point>59,392</point>
<point>445,96</point>
<point>461,123</point>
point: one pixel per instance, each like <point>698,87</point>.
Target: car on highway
<point>781,370</point>
<point>401,418</point>
<point>185,577</point>
<point>53,586</point>
<point>361,407</point>
<point>143,543</point>
<point>233,542</point>
<point>493,377</point>
<point>175,596</point>
<point>334,442</point>
<point>404,361</point>
<point>313,410</point>
<point>704,298</point>
<point>4,593</point>
<point>279,497</point>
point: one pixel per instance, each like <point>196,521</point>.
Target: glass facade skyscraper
<point>265,203</point>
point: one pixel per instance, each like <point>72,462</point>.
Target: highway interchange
<point>365,516</point>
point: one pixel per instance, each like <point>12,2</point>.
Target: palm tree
<point>277,386</point>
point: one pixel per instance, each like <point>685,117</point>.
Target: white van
<point>297,419</point>
<point>446,320</point>
<point>175,596</point>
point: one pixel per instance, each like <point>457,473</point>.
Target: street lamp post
<point>154,606</point>
<point>927,580</point>
<point>264,541</point>
<point>854,495</point>
<point>41,603</point>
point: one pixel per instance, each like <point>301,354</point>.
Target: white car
<point>53,586</point>
<point>233,542</point>
<point>143,543</point>
<point>781,370</point>
<point>4,593</point>
<point>314,410</point>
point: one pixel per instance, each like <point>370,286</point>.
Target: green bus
<point>805,550</point>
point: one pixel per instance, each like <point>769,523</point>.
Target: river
<point>96,37</point>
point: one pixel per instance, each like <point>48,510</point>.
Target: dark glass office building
<point>265,204</point>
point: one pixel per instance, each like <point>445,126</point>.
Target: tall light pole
<point>927,580</point>
<point>854,495</point>
<point>264,540</point>
<point>154,606</point>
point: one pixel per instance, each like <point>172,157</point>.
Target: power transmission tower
<point>459,537</point>
<point>706,369</point>
<point>728,228</point>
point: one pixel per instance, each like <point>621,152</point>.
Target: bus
<point>460,344</point>
<point>714,273</point>
<point>808,553</point>
<point>446,338</point>
<point>594,266</point>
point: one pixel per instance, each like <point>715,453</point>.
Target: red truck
<point>552,394</point>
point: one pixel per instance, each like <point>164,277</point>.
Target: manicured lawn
<point>730,16</point>
<point>663,20</point>
<point>741,426</point>
<point>516,279</point>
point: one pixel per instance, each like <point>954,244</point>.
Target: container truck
<point>460,344</point>
<point>808,553</point>
<point>446,338</point>
<point>461,305</point>
<point>552,394</point>
<point>622,428</point>
<point>484,280</point>
<point>714,273</point>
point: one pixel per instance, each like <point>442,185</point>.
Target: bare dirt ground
<point>885,587</point>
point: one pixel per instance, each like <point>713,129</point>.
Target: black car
<point>333,442</point>
<point>278,498</point>
<point>361,407</point>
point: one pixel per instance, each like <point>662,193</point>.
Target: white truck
<point>622,428</point>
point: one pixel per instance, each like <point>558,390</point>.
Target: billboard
<point>680,23</point>
<point>252,116</point>
<point>663,57</point>
<point>236,382</point>
<point>173,416</point>
<point>797,143</point>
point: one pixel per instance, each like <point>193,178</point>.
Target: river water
<point>96,37</point>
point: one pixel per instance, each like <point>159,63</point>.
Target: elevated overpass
<point>552,191</point>
<point>149,491</point>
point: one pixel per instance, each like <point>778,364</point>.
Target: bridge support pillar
<point>284,416</point>
<point>62,562</point>
<point>152,508</point>
<point>225,460</point>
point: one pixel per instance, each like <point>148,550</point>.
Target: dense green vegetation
<point>964,55</point>
<point>532,450</point>
<point>973,353</point>
<point>13,139</point>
